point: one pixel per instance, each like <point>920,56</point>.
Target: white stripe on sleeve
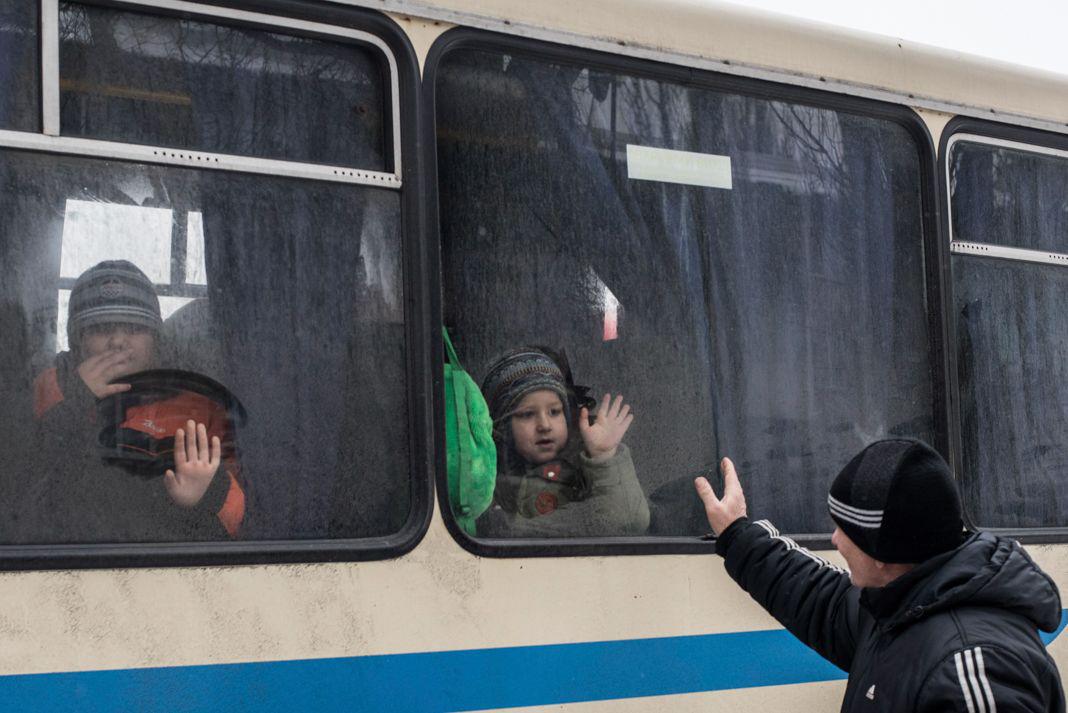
<point>981,670</point>
<point>969,664</point>
<point>963,683</point>
<point>773,532</point>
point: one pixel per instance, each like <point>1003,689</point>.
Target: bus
<point>779,240</point>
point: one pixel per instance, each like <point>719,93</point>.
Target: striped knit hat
<point>112,292</point>
<point>518,373</point>
<point>898,502</point>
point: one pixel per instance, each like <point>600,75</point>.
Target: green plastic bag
<point>471,455</point>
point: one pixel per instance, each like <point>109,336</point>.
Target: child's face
<point>539,428</point>
<point>137,344</point>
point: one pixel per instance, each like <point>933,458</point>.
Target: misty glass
<point>20,74</point>
<point>1009,197</point>
<point>162,81</point>
<point>286,292</point>
<point>1012,336</point>
<point>781,321</point>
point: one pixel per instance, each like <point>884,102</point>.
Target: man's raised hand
<point>721,512</point>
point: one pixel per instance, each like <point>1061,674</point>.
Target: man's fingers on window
<point>705,491</point>
<point>730,476</point>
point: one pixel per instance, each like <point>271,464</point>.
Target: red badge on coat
<point>545,503</point>
<point>551,471</point>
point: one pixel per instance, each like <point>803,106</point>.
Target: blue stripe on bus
<point>445,680</point>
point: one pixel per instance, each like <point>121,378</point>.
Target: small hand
<point>611,422</point>
<point>97,371</point>
<point>194,467</point>
<point>721,512</point>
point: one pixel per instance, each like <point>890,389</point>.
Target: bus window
<point>268,304</point>
<point>1010,278</point>
<point>19,72</point>
<point>748,272</point>
<point>143,79</point>
<point>300,318</point>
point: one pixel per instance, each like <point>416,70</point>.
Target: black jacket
<point>70,495</point>
<point>957,633</point>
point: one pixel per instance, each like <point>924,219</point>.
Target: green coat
<point>574,496</point>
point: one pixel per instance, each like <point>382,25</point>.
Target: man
<point>928,618</point>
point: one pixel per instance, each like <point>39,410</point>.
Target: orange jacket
<point>161,419</point>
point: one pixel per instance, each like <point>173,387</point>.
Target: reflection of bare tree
<point>243,89</point>
<point>817,140</point>
<point>802,148</point>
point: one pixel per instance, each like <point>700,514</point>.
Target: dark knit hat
<point>518,373</point>
<point>112,292</point>
<point>898,502</point>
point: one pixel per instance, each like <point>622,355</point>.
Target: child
<point>113,326</point>
<point>551,483</point>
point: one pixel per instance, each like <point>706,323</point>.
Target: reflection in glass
<point>263,288</point>
<point>161,81</point>
<point>781,322</point>
<point>1012,337</point>
<point>95,231</point>
<point>1009,197</point>
<point>19,69</point>
<point>195,270</point>
<point>1012,334</point>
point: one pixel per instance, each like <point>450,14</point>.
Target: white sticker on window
<point>646,163</point>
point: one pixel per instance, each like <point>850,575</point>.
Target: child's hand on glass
<point>194,466</point>
<point>604,435</point>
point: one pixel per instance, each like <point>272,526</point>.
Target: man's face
<point>136,343</point>
<point>864,570</point>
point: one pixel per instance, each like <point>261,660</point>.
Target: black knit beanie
<point>112,292</point>
<point>898,502</point>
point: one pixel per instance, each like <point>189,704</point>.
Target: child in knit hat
<point>555,480</point>
<point>113,327</point>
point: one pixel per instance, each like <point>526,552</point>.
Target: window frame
<point>417,282</point>
<point>960,129</point>
<point>935,256</point>
<point>51,137</point>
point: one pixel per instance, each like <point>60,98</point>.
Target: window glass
<point>143,79</point>
<point>284,293</point>
<point>1012,335</point>
<point>1004,197</point>
<point>20,80</point>
<point>761,296</point>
